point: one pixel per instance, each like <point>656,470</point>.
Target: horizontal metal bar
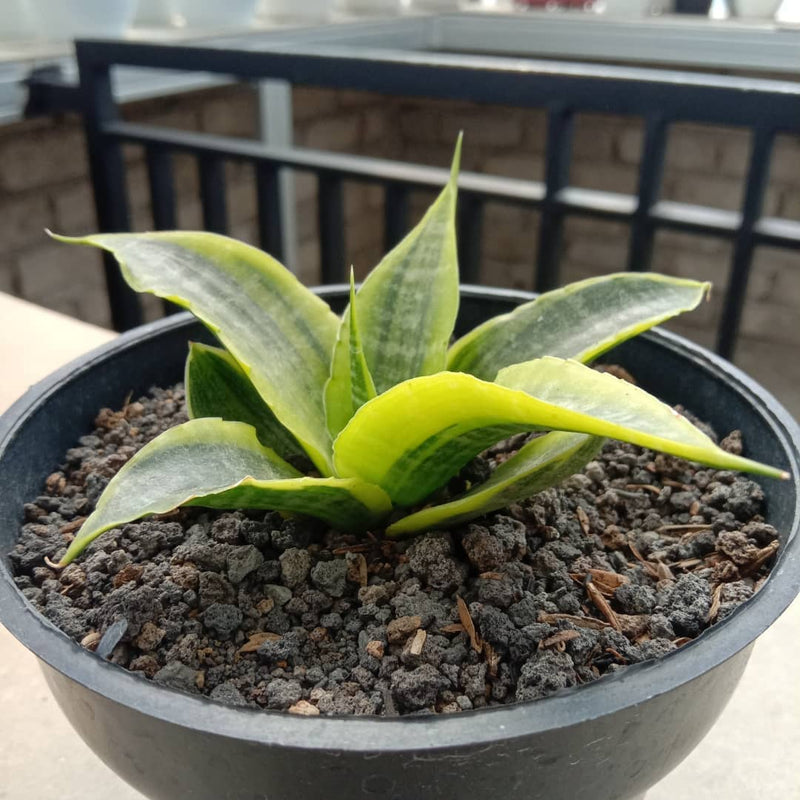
<point>505,81</point>
<point>775,231</point>
<point>513,191</point>
<point>363,168</point>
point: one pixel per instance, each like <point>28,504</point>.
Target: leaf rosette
<point>377,400</point>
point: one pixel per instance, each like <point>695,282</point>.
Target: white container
<point>306,10</point>
<point>214,13</point>
<point>72,19</point>
<point>756,9</point>
<point>155,13</point>
<point>434,5</point>
<point>377,7</point>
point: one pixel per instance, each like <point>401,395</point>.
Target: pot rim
<point>481,728</point>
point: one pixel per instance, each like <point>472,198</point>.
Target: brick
<point>308,102</point>
<point>506,274</point>
<point>375,124</point>
<point>509,242</point>
<point>691,242</point>
<point>706,190</point>
<point>246,231</point>
<point>23,220</point>
<point>175,113</point>
<point>734,150</point>
<point>364,232</point>
<point>492,126</point>
<point>594,139</point>
<point>692,148</point>
<point>629,145</point>
<point>605,255</point>
<point>783,267</point>
<point>422,125</point>
<point>349,98</point>
<point>41,159</point>
<point>235,114</point>
<point>517,165</point>
<point>332,133</point>
<point>609,177</point>
<point>790,204</point>
<point>307,220</point>
<point>241,193</point>
<point>534,129</point>
<point>67,279</point>
<point>786,160</point>
<point>190,215</point>
<point>772,322</point>
<point>73,208</point>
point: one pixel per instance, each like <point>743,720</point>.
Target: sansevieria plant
<point>378,401</point>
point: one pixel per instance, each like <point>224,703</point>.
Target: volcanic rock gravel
<point>624,562</point>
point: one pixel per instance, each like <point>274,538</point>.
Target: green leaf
<point>580,321</point>
<point>541,463</point>
<point>281,334</point>
<point>407,306</point>
<point>350,384</point>
<point>216,386</point>
<point>414,437</point>
<point>218,464</point>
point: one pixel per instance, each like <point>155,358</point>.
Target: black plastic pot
<point>607,741</point>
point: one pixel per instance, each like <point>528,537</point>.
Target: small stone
<point>398,630</point>
<point>222,619</point>
<point>150,637</point>
<point>177,676</point>
<point>295,566</point>
<point>418,688</point>
<point>242,561</point>
<point>280,595</point>
<point>227,693</point>
<point>330,576</point>
<point>375,649</point>
<point>283,694</point>
<point>430,557</point>
<point>304,709</point>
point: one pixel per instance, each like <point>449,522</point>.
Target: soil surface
<point>624,562</point>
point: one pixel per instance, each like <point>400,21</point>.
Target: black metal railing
<point>659,98</point>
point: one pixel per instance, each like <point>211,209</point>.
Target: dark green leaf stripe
<point>580,321</point>
<point>280,333</point>
<point>407,305</point>
<point>216,386</point>
<point>542,463</point>
<point>405,439</point>
<point>211,462</point>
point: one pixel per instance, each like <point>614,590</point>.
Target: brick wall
<point>43,183</point>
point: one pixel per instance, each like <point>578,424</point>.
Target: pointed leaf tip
<point>455,166</point>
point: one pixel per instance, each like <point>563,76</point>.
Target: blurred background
<point>44,174</point>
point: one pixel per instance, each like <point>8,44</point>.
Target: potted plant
<point>388,404</point>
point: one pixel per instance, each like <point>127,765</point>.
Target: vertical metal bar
<point>276,122</point>
<point>651,170</point>
<point>212,194</point>
<point>331,228</point>
<point>560,125</point>
<point>470,230</point>
<point>162,188</point>
<point>107,169</point>
<point>757,178</point>
<point>162,198</point>
<point>395,214</point>
<point>268,193</point>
